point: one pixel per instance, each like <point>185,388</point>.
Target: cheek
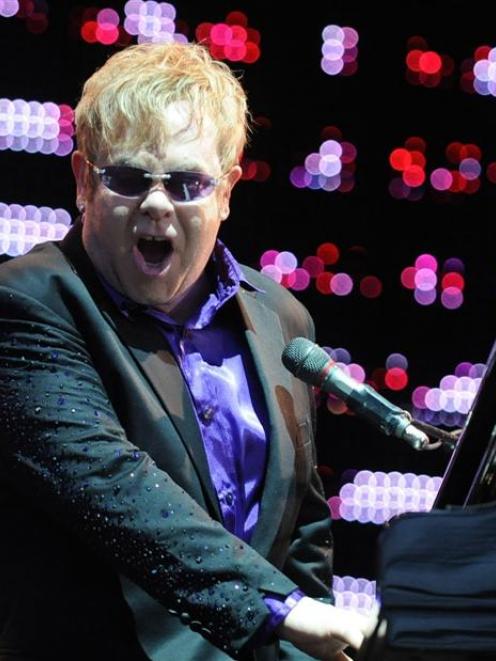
<point>121,212</point>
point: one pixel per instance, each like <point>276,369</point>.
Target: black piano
<point>437,573</point>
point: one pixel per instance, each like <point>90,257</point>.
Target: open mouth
<point>152,253</point>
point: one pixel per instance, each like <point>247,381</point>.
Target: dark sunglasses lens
<point>189,186</point>
<point>124,180</point>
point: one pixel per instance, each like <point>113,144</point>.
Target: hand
<point>322,630</point>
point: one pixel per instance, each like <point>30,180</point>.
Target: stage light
<point>470,168</point>
<point>426,261</point>
<point>151,22</point>
<point>425,297</point>
<point>356,372</point>
<point>418,397</point>
<point>299,177</point>
<point>398,189</point>
<point>425,279</point>
<point>302,279</point>
<point>286,262</point>
<point>231,40</point>
<point>328,253</point>
<point>377,497</point>
<point>313,266</point>
<point>339,50</point>
<point>9,8</point>
<point>22,227</point>
<point>272,272</point>
<point>400,159</point>
<point>453,279</point>
<point>370,286</point>
<point>430,62</point>
<point>397,360</point>
<point>341,284</point>
<point>396,378</point>
<point>441,179</point>
<point>268,257</point>
<point>35,127</point>
<point>413,176</point>
<point>451,298</point>
<point>323,283</point>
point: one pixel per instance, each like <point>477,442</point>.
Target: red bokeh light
<point>418,158</point>
<point>328,253</point>
<point>416,143</point>
<point>396,378</point>
<point>370,286</point>
<point>453,151</point>
<point>418,42</point>
<point>331,133</point>
<point>491,172</point>
<point>237,18</point>
<point>262,171</point>
<point>481,53</point>
<point>408,277</point>
<point>202,32</point>
<point>288,279</point>
<point>413,60</point>
<point>459,182</point>
<point>88,32</point>
<point>453,279</point>
<point>323,283</point>
<point>400,159</point>
<point>470,151</point>
<point>430,62</point>
<point>377,377</point>
<point>107,34</point>
<point>414,176</point>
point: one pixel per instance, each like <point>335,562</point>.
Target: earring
<point>80,205</point>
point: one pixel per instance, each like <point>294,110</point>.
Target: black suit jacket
<point>112,546</point>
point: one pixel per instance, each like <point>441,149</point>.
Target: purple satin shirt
<point>212,353</point>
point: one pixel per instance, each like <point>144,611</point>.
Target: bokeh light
<point>31,126</point>
<point>231,40</point>
<point>339,50</point>
<point>9,8</point>
<point>330,169</point>
<point>376,497</point>
<point>22,227</point>
<point>449,403</point>
<point>151,22</point>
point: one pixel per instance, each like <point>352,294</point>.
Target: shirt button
<point>207,414</point>
<point>229,498</point>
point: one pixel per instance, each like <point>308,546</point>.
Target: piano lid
<point>471,473</point>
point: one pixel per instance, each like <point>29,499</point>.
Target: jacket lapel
<point>148,348</point>
<point>266,341</point>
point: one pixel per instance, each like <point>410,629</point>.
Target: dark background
<point>376,109</point>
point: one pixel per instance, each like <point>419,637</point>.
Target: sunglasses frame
<point>166,176</point>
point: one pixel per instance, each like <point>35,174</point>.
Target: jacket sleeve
<point>63,447</point>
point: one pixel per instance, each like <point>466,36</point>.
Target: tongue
<point>153,252</point>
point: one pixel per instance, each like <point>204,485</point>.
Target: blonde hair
<point>122,102</point>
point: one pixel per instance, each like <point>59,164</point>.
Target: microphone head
<point>305,360</point>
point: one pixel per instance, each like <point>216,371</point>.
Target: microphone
<point>310,363</point>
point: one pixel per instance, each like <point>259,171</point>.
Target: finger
<point>341,656</point>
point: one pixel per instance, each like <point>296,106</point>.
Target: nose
<point>157,203</point>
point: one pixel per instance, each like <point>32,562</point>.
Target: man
<point>157,474</point>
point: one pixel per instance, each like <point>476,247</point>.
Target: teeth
<point>149,237</point>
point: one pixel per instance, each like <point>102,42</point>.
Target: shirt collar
<point>226,277</point>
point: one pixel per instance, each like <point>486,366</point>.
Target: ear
<point>80,171</point>
<point>231,178</point>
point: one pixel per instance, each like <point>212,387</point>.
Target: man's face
<point>118,230</point>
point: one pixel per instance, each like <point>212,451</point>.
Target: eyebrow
<point>185,167</point>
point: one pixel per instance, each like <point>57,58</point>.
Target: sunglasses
<point>133,182</point>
